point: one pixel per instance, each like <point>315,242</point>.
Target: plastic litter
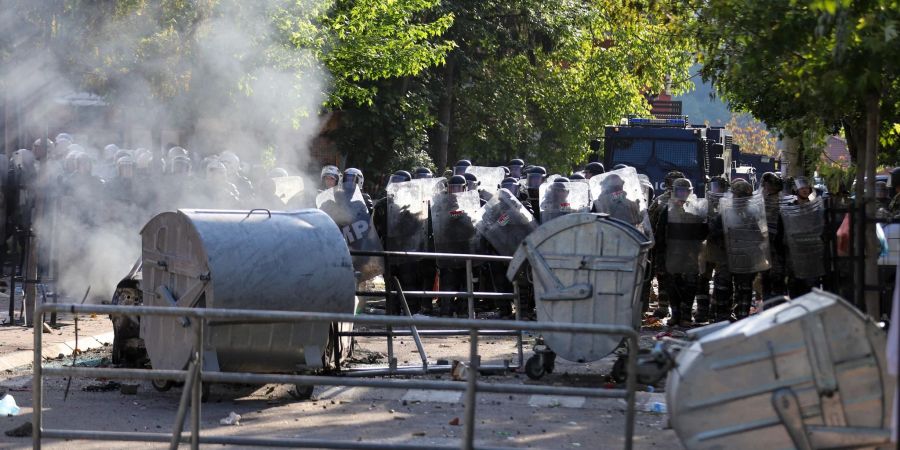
<point>8,406</point>
<point>232,419</point>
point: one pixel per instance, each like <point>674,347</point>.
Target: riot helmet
<point>400,176</point>
<point>671,177</point>
<point>142,161</point>
<point>510,184</point>
<point>181,165</point>
<point>717,185</point>
<point>231,161</point>
<point>422,172</point>
<point>561,180</point>
<point>881,191</point>
<point>461,166</point>
<point>802,187</point>
<point>559,192</point>
<point>515,168</point>
<point>109,152</point>
<point>84,164</point>
<point>42,147</point>
<point>277,172</point>
<point>593,168</point>
<point>64,137</point>
<point>176,151</point>
<point>535,177</point>
<point>330,176</point>
<point>69,163</point>
<point>125,167</point>
<point>620,166</point>
<point>894,182</point>
<point>457,184</point>
<point>682,189</point>
<point>505,171</point>
<point>576,176</point>
<point>353,178</point>
<point>216,170</point>
<point>772,183</point>
<point>741,188</point>
<point>612,183</point>
<point>472,182</point>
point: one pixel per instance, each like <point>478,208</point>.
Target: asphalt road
<point>426,418</point>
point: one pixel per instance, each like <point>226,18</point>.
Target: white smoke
<point>247,92</point>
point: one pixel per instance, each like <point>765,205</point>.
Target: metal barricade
<point>417,334</point>
<point>194,376</point>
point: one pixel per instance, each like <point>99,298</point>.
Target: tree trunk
<point>445,110</point>
<point>873,108</point>
<point>791,155</point>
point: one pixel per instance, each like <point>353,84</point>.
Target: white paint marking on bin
<point>418,395</point>
<point>555,401</point>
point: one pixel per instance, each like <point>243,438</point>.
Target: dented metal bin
<point>587,268</point>
<point>289,261</point>
<point>810,373</point>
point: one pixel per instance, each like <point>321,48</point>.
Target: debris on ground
<point>128,389</point>
<point>109,386</point>
<point>232,419</point>
<point>23,430</point>
<point>454,421</point>
<point>8,406</point>
<point>459,371</point>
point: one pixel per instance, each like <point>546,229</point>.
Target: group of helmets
<point>350,179</point>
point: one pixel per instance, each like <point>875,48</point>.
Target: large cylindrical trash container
<point>289,261</point>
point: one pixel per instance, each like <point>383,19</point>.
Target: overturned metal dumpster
<point>810,373</point>
<point>587,268</point>
<point>290,261</point>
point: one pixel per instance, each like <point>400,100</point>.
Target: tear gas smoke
<point>237,86</point>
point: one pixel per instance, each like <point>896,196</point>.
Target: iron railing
<point>194,376</point>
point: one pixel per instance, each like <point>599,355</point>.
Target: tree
<point>752,135</point>
<point>816,63</point>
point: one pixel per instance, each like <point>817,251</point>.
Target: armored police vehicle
<point>656,146</point>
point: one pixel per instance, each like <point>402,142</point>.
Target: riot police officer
<point>715,258</point>
<point>422,172</point>
<point>329,177</point>
<point>452,214</point>
<point>682,229</point>
<point>534,178</point>
<point>658,252</point>
<point>353,179</point>
<point>461,166</point>
<point>516,167</point>
<point>592,169</point>
<point>743,217</point>
<point>772,280</point>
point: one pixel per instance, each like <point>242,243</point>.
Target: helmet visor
<point>397,179</point>
<point>681,193</point>
<point>459,170</point>
<point>716,187</point>
<point>534,180</point>
<point>515,171</point>
<point>513,188</point>
<point>456,188</point>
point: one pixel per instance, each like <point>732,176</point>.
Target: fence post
<point>37,387</point>
<point>197,388</point>
<point>469,432</point>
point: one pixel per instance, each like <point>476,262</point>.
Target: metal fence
<point>194,376</point>
<point>398,295</point>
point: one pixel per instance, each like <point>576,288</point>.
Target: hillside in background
<point>702,104</point>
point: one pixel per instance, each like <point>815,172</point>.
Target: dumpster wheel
<point>302,391</point>
<point>534,367</point>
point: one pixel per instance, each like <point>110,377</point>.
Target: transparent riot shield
<point>559,199</point>
<point>714,252</point>
<point>505,223</point>
<point>489,177</point>
<point>349,212</point>
<point>803,225</point>
<point>619,194</point>
<point>746,232</point>
<point>453,221</point>
<point>287,187</point>
<point>685,231</point>
<point>407,215</point>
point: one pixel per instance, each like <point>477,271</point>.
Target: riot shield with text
<point>505,223</point>
<point>453,220</point>
<point>619,194</point>
<point>686,229</point>
<point>803,225</point>
<point>561,198</point>
<point>349,212</point>
<point>407,215</point>
<point>746,232</point>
